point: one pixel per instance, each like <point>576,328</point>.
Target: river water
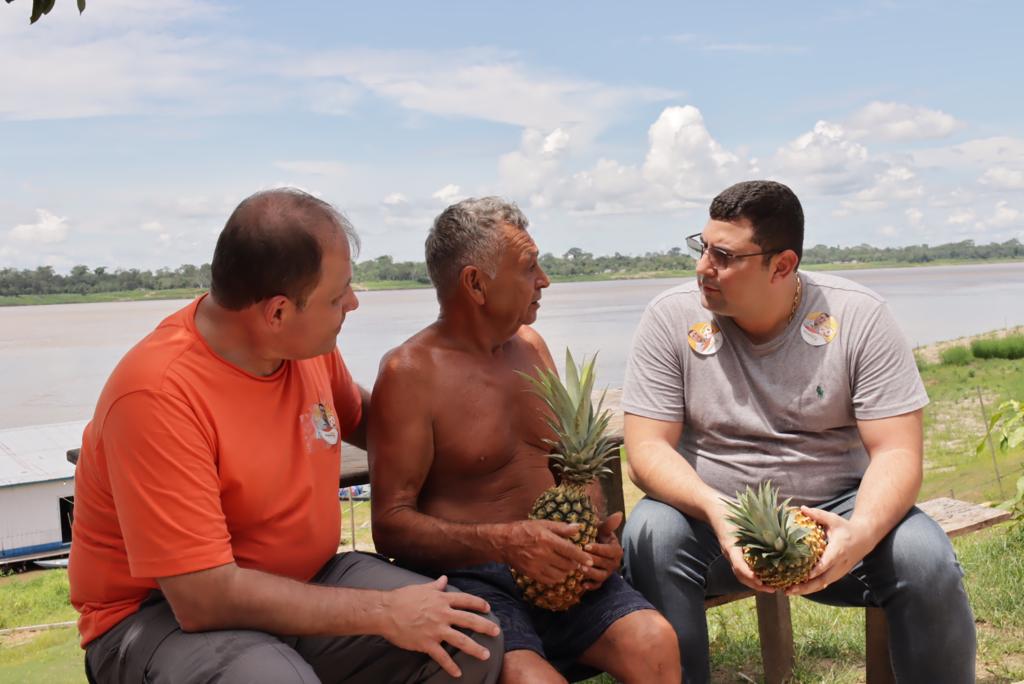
<point>55,359</point>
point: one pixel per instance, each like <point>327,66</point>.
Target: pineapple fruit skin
<point>779,543</point>
<point>795,571</point>
<point>565,503</point>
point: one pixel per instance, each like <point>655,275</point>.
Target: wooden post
<point>352,517</point>
<point>878,664</point>
<point>775,627</point>
<point>611,487</point>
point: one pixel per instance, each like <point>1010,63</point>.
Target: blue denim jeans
<point>675,561</point>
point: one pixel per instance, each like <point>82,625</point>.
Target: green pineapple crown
<point>765,528</point>
<point>581,449</point>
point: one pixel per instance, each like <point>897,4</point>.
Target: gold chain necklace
<point>796,300</point>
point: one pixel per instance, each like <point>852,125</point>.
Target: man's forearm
<point>887,491</point>
<point>230,597</point>
<point>662,473</point>
<point>424,541</point>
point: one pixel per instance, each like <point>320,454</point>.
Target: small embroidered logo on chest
<point>820,392</point>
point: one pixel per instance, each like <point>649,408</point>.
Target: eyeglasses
<point>720,258</point>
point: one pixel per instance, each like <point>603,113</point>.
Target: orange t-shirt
<point>190,463</point>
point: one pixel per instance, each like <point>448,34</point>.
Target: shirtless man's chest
<point>490,461</point>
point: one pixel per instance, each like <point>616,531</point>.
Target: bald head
<point>272,245</point>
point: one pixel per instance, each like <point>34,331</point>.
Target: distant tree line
<point>915,254</point>
<point>573,263</point>
<point>83,280</point>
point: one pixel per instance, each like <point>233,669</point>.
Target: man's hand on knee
<point>420,617</point>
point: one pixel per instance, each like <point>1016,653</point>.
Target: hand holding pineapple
<point>848,544</point>
<point>606,553</point>
<point>543,550</point>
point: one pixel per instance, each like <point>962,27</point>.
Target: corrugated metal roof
<point>38,453</point>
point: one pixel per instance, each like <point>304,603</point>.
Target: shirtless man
<point>457,458</point>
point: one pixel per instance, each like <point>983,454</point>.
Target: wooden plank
<point>775,628</point>
<point>354,467</point>
<point>713,601</point>
<point>878,666</point>
<point>613,402</point>
<point>961,517</point>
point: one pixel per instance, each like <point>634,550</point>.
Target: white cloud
<point>481,84</point>
<point>695,41</point>
<point>152,227</point>
<point>914,216</point>
<point>894,184</point>
<point>984,152</point>
<point>1004,216</point>
<point>825,160</point>
<point>49,228</point>
<point>448,194</point>
<point>685,160</point>
<point>754,48</point>
<point>535,164</point>
<point>961,217</point>
<point>313,167</point>
<point>1003,178</point>
<point>899,122</point>
<point>683,167</point>
<point>395,199</point>
<point>123,58</point>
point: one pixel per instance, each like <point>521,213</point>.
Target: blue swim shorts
<point>559,637</point>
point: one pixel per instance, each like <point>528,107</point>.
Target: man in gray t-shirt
<point>757,372</point>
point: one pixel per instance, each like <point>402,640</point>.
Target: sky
<point>129,133</point>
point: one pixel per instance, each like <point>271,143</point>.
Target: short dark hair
<point>469,234</point>
<point>772,209</point>
<point>272,245</point>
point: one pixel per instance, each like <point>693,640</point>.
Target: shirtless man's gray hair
<point>469,234</point>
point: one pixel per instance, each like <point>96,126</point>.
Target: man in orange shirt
<point>207,517</point>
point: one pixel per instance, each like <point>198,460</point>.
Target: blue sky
<point>129,133</point>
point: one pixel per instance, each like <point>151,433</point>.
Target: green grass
<point>1009,347</point>
<point>954,424</point>
<point>956,356</point>
<point>34,598</point>
<point>53,657</point>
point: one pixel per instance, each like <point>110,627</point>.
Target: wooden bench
<point>774,623</point>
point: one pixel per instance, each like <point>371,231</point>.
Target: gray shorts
<point>149,646</point>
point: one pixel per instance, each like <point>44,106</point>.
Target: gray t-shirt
<point>785,410</point>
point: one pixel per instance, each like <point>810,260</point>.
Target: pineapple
<point>579,455</point>
<point>780,544</point>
